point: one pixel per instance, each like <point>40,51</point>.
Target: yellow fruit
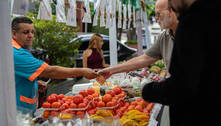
<point>129,122</point>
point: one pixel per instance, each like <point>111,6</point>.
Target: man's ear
<point>13,33</point>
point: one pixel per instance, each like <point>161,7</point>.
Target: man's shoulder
<point>165,33</point>
<point>164,36</point>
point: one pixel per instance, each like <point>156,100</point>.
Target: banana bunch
<point>134,118</point>
<point>103,115</point>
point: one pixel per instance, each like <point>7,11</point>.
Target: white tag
<point>79,87</point>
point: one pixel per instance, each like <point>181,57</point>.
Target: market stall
<point>115,102</point>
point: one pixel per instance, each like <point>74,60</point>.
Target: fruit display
<point>75,105</point>
<point>101,104</point>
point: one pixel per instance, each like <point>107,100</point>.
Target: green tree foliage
<point>150,9</point>
<point>55,38</point>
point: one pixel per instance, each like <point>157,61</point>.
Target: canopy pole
<point>7,81</point>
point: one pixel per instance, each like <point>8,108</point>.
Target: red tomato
<point>72,105</point>
<point>56,105</point>
<point>126,104</point>
<point>93,104</point>
<point>92,111</point>
<point>80,114</point>
<point>51,99</point>
<point>46,105</point>
<point>133,103</point>
<point>101,104</point>
<point>121,103</point>
<point>60,96</point>
<point>68,101</point>
<point>54,113</point>
<point>89,107</point>
<point>78,99</point>
<point>117,90</point>
<point>139,108</point>
<point>85,101</point>
<point>90,97</point>
<point>139,100</point>
<point>82,105</point>
<point>83,93</point>
<point>46,114</point>
<point>62,102</point>
<point>95,95</point>
<point>64,106</point>
<point>114,101</point>
<point>106,98</point>
<point>111,93</point>
<point>109,104</point>
<point>70,112</point>
<point>90,91</point>
<point>54,95</point>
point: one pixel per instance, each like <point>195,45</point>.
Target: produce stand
<point>108,110</point>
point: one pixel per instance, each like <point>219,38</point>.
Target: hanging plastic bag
<point>45,11</point>
<point>125,16</point>
<point>87,14</point>
<point>60,12</point>
<point>102,8</point>
<point>119,14</point>
<point>129,15</point>
<point>108,9</point>
<point>71,17</point>
<point>20,7</point>
<point>96,13</point>
<point>134,17</point>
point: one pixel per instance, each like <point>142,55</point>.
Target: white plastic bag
<point>45,11</point>
<point>129,15</point>
<point>119,14</point>
<point>102,8</point>
<point>87,15</point>
<point>125,16</point>
<point>134,17</point>
<point>96,12</point>
<point>60,12</point>
<point>71,17</point>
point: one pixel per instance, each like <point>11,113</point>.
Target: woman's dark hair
<point>16,21</point>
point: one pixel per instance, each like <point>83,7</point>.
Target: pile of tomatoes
<point>90,101</point>
<point>75,105</point>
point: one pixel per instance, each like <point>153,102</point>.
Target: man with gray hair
<point>161,49</point>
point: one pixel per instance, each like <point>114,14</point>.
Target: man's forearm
<point>58,72</point>
<point>133,64</point>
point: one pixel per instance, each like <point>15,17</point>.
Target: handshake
<point>100,75</point>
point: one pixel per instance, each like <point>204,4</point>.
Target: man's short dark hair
<point>16,21</point>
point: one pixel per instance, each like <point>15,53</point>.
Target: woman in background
<point>93,56</point>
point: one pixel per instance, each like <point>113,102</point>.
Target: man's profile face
<point>24,35</point>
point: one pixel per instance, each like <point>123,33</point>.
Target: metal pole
<point>7,81</point>
<point>113,37</point>
<point>85,28</point>
<point>147,33</point>
<point>139,32</point>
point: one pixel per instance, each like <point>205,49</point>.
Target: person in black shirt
<point>193,90</point>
